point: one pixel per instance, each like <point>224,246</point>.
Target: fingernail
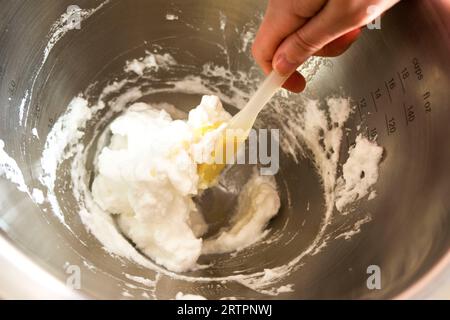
<point>283,66</point>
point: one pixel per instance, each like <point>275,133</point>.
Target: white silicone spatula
<point>239,127</point>
<point>245,119</point>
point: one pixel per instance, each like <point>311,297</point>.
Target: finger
<point>296,83</point>
<point>281,19</point>
<point>340,45</point>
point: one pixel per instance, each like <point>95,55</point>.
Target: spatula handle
<point>247,116</point>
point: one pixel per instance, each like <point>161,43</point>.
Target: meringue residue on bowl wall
<point>315,128</point>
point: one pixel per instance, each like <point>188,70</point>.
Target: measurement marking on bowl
<point>12,87</point>
<point>36,113</point>
<point>391,125</point>
<point>390,85</point>
<point>426,98</point>
<point>405,75</point>
<point>375,96</point>
<point>399,102</point>
<point>410,114</point>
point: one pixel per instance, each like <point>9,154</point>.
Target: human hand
<point>294,30</point>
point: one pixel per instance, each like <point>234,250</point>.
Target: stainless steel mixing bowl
<point>398,76</point>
